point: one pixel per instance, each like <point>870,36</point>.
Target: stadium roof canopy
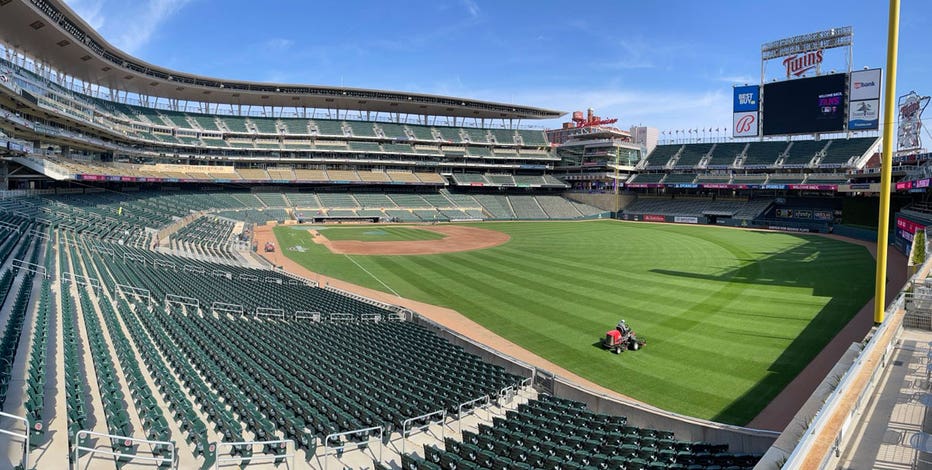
<point>49,31</point>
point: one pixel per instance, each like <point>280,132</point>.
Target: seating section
<point>698,207</point>
<point>692,155</point>
<point>660,156</point>
<point>841,151</point>
<point>724,154</point>
<point>648,178</point>
<point>554,433</point>
<point>205,236</point>
<point>803,152</point>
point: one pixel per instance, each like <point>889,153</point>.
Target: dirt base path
<point>457,238</point>
<point>774,417</point>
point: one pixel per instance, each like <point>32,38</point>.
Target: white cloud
<point>138,21</point>
<point>472,7</point>
<point>278,44</point>
<point>91,11</point>
<point>154,13</point>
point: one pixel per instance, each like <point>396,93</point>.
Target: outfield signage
<point>745,111</point>
<point>865,85</point>
<point>909,185</point>
<point>654,218</point>
<point>686,220</point>
<point>746,124</point>
<point>747,98</point>
<point>814,187</point>
<point>864,100</point>
<point>906,229</point>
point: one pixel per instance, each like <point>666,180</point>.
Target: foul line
<point>373,275</point>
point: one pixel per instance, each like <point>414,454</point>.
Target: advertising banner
<point>864,115</point>
<point>745,124</point>
<point>654,218</point>
<point>747,98</point>
<point>686,219</point>
<point>865,85</point>
<point>906,228</point>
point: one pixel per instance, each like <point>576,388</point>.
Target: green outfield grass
<point>730,316</point>
<point>379,234</point>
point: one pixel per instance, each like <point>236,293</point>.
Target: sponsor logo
<point>798,64</point>
<point>864,109</point>
<point>859,85</point>
<point>744,124</point>
<point>746,99</point>
<point>654,218</point>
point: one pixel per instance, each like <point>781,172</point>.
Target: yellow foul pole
<point>893,33</point>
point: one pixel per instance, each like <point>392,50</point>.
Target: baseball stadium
<point>203,273</point>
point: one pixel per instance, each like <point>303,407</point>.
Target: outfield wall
<point>739,439</point>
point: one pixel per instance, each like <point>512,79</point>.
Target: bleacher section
<point>250,142</point>
<point>802,152</point>
<point>841,151</point>
<point>689,207</point>
<point>555,433</point>
<point>692,155</point>
<point>763,153</point>
<point>660,156</point>
<point>725,153</point>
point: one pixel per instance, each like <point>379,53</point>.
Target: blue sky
<point>667,64</point>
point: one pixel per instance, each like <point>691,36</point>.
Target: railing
<point>336,437</point>
<point>80,280</point>
<point>307,315</point>
<point>181,300</point>
<point>223,307</point>
<point>472,405</point>
<point>139,292</point>
<point>31,267</point>
<point>24,435</point>
<point>406,430</point>
<point>269,312</point>
<point>276,458</point>
<point>834,400</point>
<point>80,436</point>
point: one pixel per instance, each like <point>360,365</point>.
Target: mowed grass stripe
<point>381,234</point>
<point>731,316</point>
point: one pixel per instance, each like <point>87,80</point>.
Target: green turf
<point>379,234</point>
<point>730,316</point>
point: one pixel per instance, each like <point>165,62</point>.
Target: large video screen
<point>805,106</point>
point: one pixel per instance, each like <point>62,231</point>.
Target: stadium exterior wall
<point>739,439</point>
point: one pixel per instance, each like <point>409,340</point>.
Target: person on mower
<point>622,328</point>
